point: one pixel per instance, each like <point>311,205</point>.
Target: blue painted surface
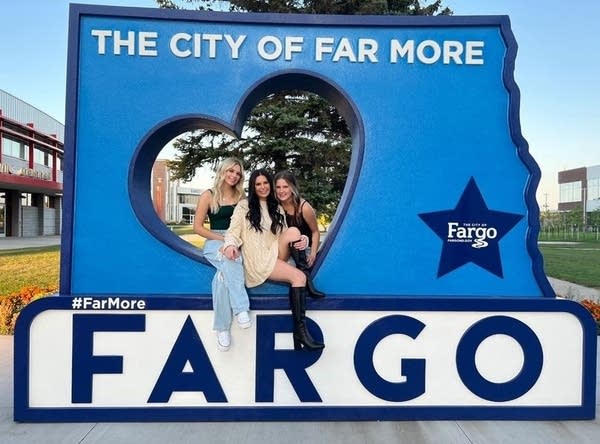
<point>420,132</point>
<point>432,144</point>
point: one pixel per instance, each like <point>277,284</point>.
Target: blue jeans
<point>229,294</point>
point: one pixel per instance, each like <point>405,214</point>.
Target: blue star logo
<point>470,232</point>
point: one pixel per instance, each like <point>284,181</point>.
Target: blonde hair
<point>217,189</point>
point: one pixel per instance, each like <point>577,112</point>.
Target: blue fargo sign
<point>437,304</point>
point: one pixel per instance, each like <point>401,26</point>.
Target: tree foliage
<point>377,7</point>
<point>575,216</point>
<point>296,131</point>
<point>293,130</point>
<point>594,218</point>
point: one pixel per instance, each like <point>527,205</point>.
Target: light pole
<point>584,207</point>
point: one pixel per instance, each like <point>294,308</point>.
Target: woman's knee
<point>284,272</point>
<point>292,234</point>
<point>298,278</point>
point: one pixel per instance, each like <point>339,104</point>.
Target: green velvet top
<point>221,219</point>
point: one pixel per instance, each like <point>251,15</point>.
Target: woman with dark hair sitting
<point>258,226</point>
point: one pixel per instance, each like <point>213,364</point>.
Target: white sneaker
<point>243,319</point>
<point>223,340</point>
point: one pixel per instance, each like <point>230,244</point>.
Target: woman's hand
<point>302,243</point>
<point>311,259</point>
<point>231,252</point>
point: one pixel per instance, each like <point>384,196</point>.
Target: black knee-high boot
<point>299,257</point>
<point>302,338</point>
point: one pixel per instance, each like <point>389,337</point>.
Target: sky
<point>557,71</point>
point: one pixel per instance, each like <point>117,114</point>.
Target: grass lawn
<point>29,267</point>
<point>577,262</point>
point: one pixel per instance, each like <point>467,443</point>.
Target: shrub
<point>11,306</point>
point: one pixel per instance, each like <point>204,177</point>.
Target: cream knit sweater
<point>259,249</point>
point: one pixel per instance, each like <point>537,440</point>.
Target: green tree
<point>378,7</point>
<point>294,130</point>
<point>574,217</point>
<point>593,218</point>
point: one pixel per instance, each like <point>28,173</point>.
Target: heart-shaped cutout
<point>149,148</point>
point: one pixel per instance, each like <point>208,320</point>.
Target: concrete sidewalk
<point>413,432</point>
<point>17,243</point>
<point>568,290</point>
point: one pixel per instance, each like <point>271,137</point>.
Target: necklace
<point>228,198</point>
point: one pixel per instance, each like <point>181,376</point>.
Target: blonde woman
<point>229,294</point>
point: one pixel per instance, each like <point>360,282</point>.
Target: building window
<point>190,199</point>
<point>49,201</point>
<point>593,189</point>
<point>570,192</point>
<point>15,148</point>
<point>26,200</point>
<point>42,157</point>
<point>187,215</point>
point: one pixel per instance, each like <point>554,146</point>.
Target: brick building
<point>579,188</point>
<point>31,177</point>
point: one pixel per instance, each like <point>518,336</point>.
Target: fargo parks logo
<point>475,233</point>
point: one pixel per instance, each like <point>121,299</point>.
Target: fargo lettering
<point>201,376</point>
<point>476,233</point>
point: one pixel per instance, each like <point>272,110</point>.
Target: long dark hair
<point>254,212</point>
